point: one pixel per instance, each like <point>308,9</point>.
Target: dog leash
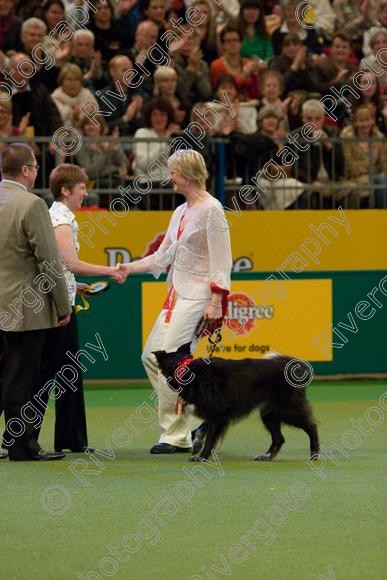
<point>213,333</point>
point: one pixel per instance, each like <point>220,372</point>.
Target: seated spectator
<point>336,68</point>
<point>145,37</point>
<point>105,162</point>
<point>289,49</point>
<point>155,10</point>
<point>380,26</point>
<point>88,59</point>
<point>32,33</point>
<point>272,87</point>
<point>269,123</point>
<point>319,163</point>
<point>52,13</point>
<point>206,29</point>
<point>299,71</point>
<point>353,17</point>
<point>245,72</point>
<point>110,38</point>
<point>256,41</point>
<point>193,75</point>
<point>126,113</point>
<point>366,162</point>
<point>128,15</point>
<point>31,100</point>
<point>242,118</point>
<point>26,8</point>
<point>313,39</point>
<point>10,26</point>
<point>71,95</point>
<point>378,42</point>
<point>7,128</point>
<point>32,97</point>
<point>32,37</point>
<point>337,71</point>
<point>370,95</point>
<point>150,158</point>
<point>165,85</point>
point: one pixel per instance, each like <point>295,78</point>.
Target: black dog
<point>223,391</point>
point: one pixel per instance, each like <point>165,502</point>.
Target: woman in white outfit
<point>197,249</point>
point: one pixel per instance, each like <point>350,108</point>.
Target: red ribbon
<point>180,369</point>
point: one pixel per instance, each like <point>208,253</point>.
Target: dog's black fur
<point>223,391</point>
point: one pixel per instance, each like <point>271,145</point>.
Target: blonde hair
<point>70,69</point>
<point>5,102</point>
<point>191,165</point>
<point>162,73</point>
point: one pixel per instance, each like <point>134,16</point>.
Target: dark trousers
<point>70,415</point>
<point>21,355</point>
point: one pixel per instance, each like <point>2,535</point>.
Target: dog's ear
<point>185,349</point>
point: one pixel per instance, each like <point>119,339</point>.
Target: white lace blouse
<point>202,254</point>
<point>62,215</point>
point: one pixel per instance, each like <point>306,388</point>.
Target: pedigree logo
<point>242,313</point>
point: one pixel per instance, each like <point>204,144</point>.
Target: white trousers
<point>169,336</point>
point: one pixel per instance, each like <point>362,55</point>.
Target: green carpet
<point>233,517</point>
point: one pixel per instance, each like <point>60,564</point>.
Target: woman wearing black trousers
<point>68,186</point>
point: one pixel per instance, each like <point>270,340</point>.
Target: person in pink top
<point>197,251</point>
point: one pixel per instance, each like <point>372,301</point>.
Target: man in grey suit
<point>33,298</point>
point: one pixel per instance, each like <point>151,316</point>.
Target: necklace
<point>231,64</point>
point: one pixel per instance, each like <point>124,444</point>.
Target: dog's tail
<point>275,354</point>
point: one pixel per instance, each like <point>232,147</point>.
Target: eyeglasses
<point>233,39</point>
<point>33,166</point>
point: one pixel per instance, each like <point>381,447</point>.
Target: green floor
<point>232,517</point>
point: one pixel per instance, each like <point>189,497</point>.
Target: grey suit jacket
<point>33,291</point>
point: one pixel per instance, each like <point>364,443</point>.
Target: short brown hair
<point>275,74</point>
<point>230,28</point>
<point>14,156</point>
<point>85,120</point>
<point>159,104</point>
<point>66,175</point>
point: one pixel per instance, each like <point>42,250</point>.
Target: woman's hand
<point>212,313</point>
<point>83,288</point>
<point>123,269</point>
<point>214,309</point>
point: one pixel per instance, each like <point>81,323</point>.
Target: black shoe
<point>166,448</point>
<point>3,454</point>
<point>81,449</point>
<point>198,438</point>
<point>41,455</point>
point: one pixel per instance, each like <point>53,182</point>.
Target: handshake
<point>119,272</point>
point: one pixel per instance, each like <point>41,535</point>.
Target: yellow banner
<point>266,241</point>
<point>253,327</point>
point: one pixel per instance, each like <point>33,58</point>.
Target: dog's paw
<point>197,458</point>
<point>264,457</point>
<point>315,456</point>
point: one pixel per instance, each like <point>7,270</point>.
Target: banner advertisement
<point>254,326</point>
<point>263,241</point>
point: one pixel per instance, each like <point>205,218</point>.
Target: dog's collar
<point>182,366</point>
<point>185,362</point>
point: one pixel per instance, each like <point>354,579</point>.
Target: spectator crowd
<point>131,76</point>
